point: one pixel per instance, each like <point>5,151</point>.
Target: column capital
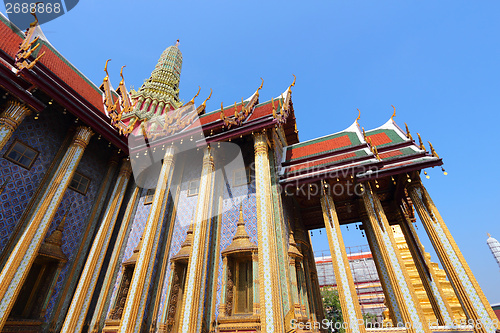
<point>126,168</point>
<point>82,136</point>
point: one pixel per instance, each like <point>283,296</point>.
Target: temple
<point>132,211</point>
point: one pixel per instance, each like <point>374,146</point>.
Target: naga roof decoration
<point>240,115</point>
<point>26,48</point>
<point>282,116</point>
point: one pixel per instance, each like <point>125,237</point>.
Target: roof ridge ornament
<point>240,116</point>
<point>359,116</point>
<point>408,134</point>
<point>25,48</point>
<point>394,114</point>
<point>422,147</point>
<point>433,152</point>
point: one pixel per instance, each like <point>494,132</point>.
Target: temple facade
<point>132,211</point>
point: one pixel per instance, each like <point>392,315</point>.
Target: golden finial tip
<point>359,115</point>
<point>488,234</point>
<point>394,114</point>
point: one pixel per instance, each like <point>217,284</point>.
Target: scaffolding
<point>366,280</point>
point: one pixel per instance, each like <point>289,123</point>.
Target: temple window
<point>193,187</point>
<point>79,183</point>
<point>148,198</point>
<point>243,286</point>
<point>21,154</point>
<point>242,176</point>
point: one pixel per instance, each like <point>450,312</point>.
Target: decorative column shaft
<point>403,293</point>
<point>467,289</point>
<point>10,119</point>
<point>426,272</point>
<point>351,311</point>
<point>24,253</point>
<point>79,307</point>
<point>113,262</point>
<point>138,285</point>
<point>271,317</point>
<point>194,296</point>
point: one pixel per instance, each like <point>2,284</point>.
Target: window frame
<point>150,193</point>
<point>248,176</point>
<point>76,189</point>
<point>189,193</point>
<point>238,263</point>
<point>11,148</point>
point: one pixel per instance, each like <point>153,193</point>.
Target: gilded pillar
<point>271,318</point>
<point>351,311</point>
<point>10,119</point>
<point>139,286</point>
<point>194,296</point>
<point>402,292</point>
<point>79,306</point>
<point>22,256</point>
<point>294,259</point>
<point>427,274</point>
<point>467,289</point>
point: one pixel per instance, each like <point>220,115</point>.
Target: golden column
<point>79,306</point>
<point>402,292</point>
<point>113,262</point>
<point>426,271</point>
<point>294,257</point>
<point>21,258</point>
<point>193,299</point>
<point>10,118</point>
<point>271,318</point>
<point>351,311</point>
<point>138,285</point>
<point>469,293</point>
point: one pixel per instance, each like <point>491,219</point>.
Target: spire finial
<point>359,116</point>
<point>488,234</point>
<point>177,43</point>
<point>394,114</point>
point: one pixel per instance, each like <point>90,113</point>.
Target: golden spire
<point>488,234</point>
<point>394,114</point>
<point>185,250</point>
<point>241,241</point>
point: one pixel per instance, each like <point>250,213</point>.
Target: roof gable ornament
<point>25,48</point>
<point>408,134</point>
<point>394,114</point>
<point>246,109</point>
<point>421,143</point>
<point>285,104</point>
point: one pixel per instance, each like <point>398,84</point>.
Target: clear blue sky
<point>436,61</point>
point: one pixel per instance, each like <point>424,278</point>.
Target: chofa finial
<point>394,114</point>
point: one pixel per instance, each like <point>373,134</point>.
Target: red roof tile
<point>67,74</point>
<point>390,154</point>
<point>322,161</point>
<point>10,40</point>
<point>318,147</point>
<point>379,139</point>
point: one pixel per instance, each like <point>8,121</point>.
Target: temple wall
<point>45,135</point>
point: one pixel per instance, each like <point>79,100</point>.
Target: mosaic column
<point>107,285</point>
<point>294,259</point>
<point>10,119</point>
<point>139,286</point>
<point>24,253</point>
<point>402,292</point>
<point>351,311</point>
<point>426,272</point>
<point>467,289</point>
<point>194,296</point>
<point>88,279</point>
<point>271,317</point>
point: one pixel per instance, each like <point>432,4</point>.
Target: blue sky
<point>435,61</point>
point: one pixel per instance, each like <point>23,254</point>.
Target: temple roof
<point>371,154</point>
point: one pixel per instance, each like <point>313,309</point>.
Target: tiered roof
<point>383,151</point>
